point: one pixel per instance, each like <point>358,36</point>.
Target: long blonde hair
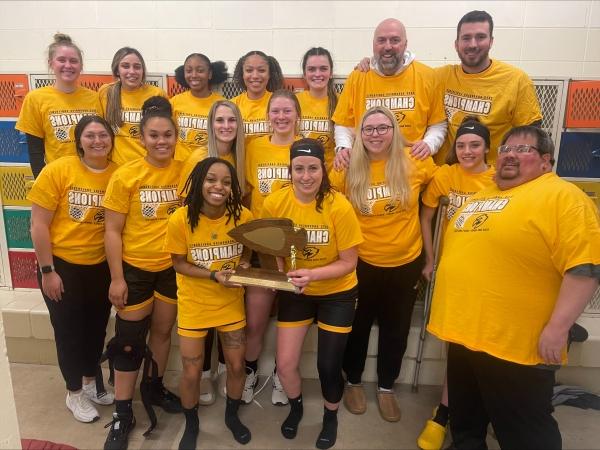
<point>397,166</point>
<point>237,148</point>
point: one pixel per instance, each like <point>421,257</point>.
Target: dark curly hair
<point>275,73</point>
<point>195,201</point>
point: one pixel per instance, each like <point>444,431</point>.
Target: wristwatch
<point>47,269</point>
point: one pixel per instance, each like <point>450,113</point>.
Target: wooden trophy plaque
<point>269,238</point>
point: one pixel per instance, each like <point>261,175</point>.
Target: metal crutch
<point>437,237</point>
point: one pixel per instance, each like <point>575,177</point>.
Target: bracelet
<point>213,276</point>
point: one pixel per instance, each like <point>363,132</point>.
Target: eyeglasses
<point>521,148</point>
<point>381,130</point>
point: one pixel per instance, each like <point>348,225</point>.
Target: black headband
<point>474,127</point>
<point>307,149</point>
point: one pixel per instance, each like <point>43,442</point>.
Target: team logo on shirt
<point>131,117</point>
<point>85,205</point>
<point>395,102</point>
<point>223,253</point>
<point>152,199</point>
<point>318,129</point>
<point>378,193</point>
<point>62,122</point>
<point>480,210</point>
<point>456,199</point>
<point>257,127</point>
<point>267,174</point>
<point>469,104</point>
<point>192,129</point>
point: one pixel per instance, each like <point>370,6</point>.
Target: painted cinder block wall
<point>545,38</point>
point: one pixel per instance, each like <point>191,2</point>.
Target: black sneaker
<point>120,427</point>
<point>166,400</point>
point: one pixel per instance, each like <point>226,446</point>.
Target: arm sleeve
<point>344,137</point>
<point>435,135</point>
<point>36,151</point>
<point>175,241</point>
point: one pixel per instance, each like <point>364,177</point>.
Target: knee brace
<point>128,348</point>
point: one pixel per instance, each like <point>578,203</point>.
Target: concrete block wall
<point>30,339</point>
<point>545,38</point>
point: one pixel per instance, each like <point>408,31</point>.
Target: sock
<point>441,415</point>
<point>192,427</point>
<point>289,427</point>
<point>123,408</point>
<point>240,432</point>
<point>328,434</point>
<point>252,365</point>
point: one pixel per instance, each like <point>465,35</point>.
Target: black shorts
<point>143,286</point>
<point>333,312</point>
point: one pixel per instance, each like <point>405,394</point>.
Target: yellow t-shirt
<point>413,97</point>
<point>202,303</point>
<point>392,235</point>
<point>315,123</point>
<point>457,184</point>
<point>333,229</point>
<point>191,115</point>
<point>127,138</point>
<point>148,196</point>
<point>190,163</point>
<point>267,170</point>
<point>502,97</point>
<point>505,255</point>
<point>74,192</point>
<point>254,114</point>
<point>51,115</point>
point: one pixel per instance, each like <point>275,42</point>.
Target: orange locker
<point>583,104</point>
<point>12,91</point>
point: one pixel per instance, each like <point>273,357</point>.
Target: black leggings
<point>388,295</point>
<point>79,319</point>
<point>329,363</point>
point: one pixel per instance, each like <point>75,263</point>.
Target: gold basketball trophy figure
<point>269,238</point>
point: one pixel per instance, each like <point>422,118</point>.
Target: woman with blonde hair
<point>383,183</point>
<point>122,102</point>
<point>49,114</point>
<point>267,171</point>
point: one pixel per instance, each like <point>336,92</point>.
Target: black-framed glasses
<point>381,129</point>
<point>521,148</point>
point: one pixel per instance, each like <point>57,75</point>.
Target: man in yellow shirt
<point>500,95</point>
<point>398,82</point>
<point>521,260</point>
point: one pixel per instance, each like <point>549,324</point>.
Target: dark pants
<point>79,319</point>
<point>515,398</point>
<point>388,295</point>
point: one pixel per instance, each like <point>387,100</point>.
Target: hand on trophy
<point>300,278</point>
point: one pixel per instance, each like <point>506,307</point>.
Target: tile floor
<point>40,396</point>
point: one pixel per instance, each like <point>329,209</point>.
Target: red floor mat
<point>36,444</point>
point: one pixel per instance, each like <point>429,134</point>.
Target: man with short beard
<point>401,84</point>
<point>521,260</point>
<point>500,95</point>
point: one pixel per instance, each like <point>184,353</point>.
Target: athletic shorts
<point>143,286</point>
<point>202,332</point>
<point>332,312</point>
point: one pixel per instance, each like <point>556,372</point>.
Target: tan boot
<point>354,398</point>
<point>388,406</point>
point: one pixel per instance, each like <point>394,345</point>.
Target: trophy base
<point>262,278</point>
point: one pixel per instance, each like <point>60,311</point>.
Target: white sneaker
<point>222,379</point>
<point>251,381</point>
<point>104,398</point>
<point>81,407</point>
<point>207,390</point>
<point>278,396</point>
